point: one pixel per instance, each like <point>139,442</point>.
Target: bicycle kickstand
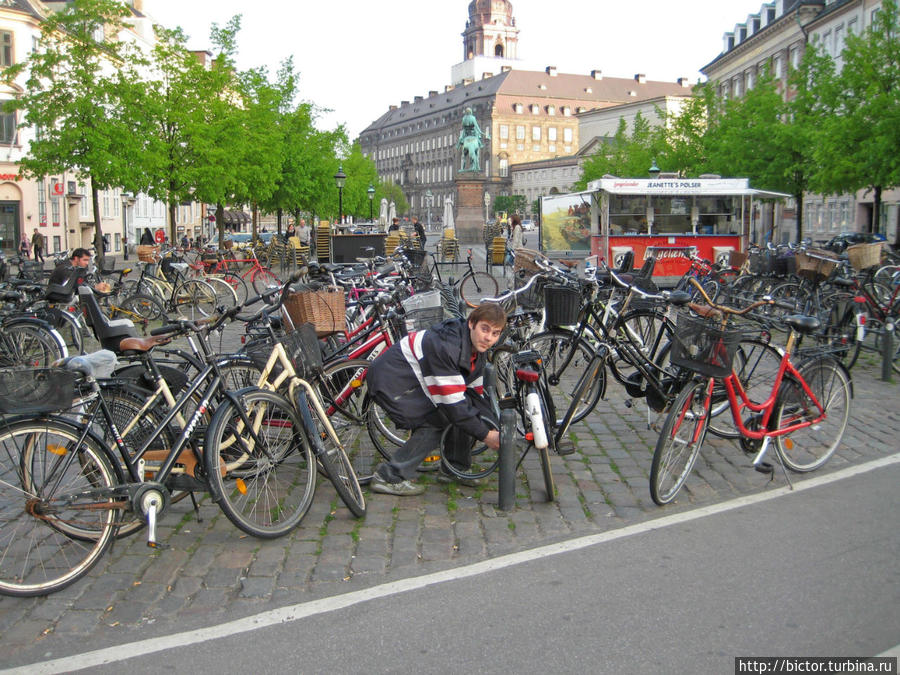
<point>767,467</point>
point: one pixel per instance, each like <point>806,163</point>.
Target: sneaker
<point>402,489</point>
<point>443,476</point>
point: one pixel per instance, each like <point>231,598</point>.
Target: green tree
<point>393,193</point>
<point>624,154</point>
<point>857,140</point>
<point>681,138</point>
<point>83,98</point>
<point>361,173</point>
<point>509,204</point>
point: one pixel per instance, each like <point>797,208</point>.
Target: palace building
<point>529,114</point>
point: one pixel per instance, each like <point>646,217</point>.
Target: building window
<point>520,132</point>
<point>795,57</point>
<point>551,110</point>
<point>518,108</point>
<point>42,203</point>
<point>567,135</point>
<point>504,132</point>
<point>8,128</point>
<point>535,108</point>
<point>57,243</point>
<point>566,110</point>
<point>852,27</point>
<point>551,134</point>
<point>536,134</point>
<point>54,211</point>
<point>7,54</point>
<point>778,67</point>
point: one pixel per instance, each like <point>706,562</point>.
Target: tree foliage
<point>81,96</point>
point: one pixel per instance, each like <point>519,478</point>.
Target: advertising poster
<point>566,222</point>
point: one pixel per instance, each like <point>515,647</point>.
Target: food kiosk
<point>666,217</point>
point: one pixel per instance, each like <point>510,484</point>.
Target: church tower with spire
<point>490,41</point>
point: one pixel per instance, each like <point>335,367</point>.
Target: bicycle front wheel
<point>140,306</point>
<point>58,515</point>
<point>194,299</point>
<point>679,442</point>
<point>259,464</point>
<point>30,343</point>
<point>263,280</point>
<point>477,285</point>
<point>809,448</point>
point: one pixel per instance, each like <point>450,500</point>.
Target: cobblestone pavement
<point>211,572</point>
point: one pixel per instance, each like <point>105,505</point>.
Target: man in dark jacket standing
<point>430,379</point>
<point>417,226</point>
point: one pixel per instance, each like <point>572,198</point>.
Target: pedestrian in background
<point>37,245</point>
<point>417,226</point>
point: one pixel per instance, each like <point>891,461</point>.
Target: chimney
<point>432,93</point>
<point>597,74</point>
<point>505,69</point>
<point>486,75</point>
<point>684,82</point>
<point>392,107</point>
<point>640,78</point>
<point>467,81</point>
<point>402,103</point>
<point>418,99</point>
<point>448,87</point>
<point>551,71</point>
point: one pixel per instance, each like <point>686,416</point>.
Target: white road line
<point>307,609</point>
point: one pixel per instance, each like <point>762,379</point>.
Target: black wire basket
<point>302,347</point>
<point>28,391</point>
<point>702,346</point>
<point>561,305</point>
<point>417,319</point>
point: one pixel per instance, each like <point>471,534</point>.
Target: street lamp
<point>654,170</point>
<point>371,193</point>
<point>429,202</point>
<point>339,179</point>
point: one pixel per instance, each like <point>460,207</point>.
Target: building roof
<point>23,6</point>
<point>526,87</point>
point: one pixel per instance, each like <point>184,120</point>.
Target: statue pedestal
<point>469,208</point>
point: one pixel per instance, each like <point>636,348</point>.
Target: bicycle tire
<point>477,285</point>
<point>66,325</point>
<point>32,343</point>
<point>341,473</point>
<point>839,329</point>
<point>225,295</point>
<point>581,389</point>
<point>265,491</point>
<point>553,346</point>
<point>264,280</point>
<point>484,459</point>
<point>37,554</point>
<point>345,396</point>
<point>809,448</point>
<point>237,283</point>
<point>194,299</point>
<point>679,442</point>
<point>143,306</point>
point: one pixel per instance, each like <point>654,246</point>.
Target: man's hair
<point>515,220</point>
<point>491,312</point>
<point>80,253</point>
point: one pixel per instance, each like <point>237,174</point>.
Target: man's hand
<point>492,440</point>
<point>103,287</point>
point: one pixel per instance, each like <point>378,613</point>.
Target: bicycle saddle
<point>802,323</point>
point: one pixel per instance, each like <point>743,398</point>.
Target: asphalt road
<point>808,573</point>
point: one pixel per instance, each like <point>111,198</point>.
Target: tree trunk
<point>280,213</point>
<point>876,210</point>
<point>220,222</point>
<point>173,217</point>
<point>98,227</point>
<point>254,222</point>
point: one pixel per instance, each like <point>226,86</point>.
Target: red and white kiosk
<point>667,217</point>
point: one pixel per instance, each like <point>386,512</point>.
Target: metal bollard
<point>887,351</point>
<point>507,497</point>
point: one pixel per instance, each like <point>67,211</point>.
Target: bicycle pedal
<point>565,447</point>
<point>158,545</point>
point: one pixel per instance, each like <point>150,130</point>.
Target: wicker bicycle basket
<point>324,309</point>
<point>864,256</point>
<point>815,264</point>
<point>736,259</point>
<point>148,253</point>
<point>524,260</point>
<point>35,390</point>
<point>703,347</point>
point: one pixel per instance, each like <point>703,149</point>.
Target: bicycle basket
<point>422,301</point>
<point>863,256</point>
<point>302,347</point>
<point>416,319</point>
<point>31,270</point>
<point>35,390</point>
<point>815,264</point>
<point>561,304</point>
<point>702,347</point>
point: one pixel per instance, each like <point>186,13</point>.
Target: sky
<point>358,57</point>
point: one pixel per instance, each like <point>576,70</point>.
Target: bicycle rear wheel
<point>554,347</point>
<point>30,343</point>
<point>56,522</point>
<point>194,299</point>
<point>263,280</point>
<point>809,448</point>
<point>259,464</point>
<point>477,285</point>
<point>679,442</point>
